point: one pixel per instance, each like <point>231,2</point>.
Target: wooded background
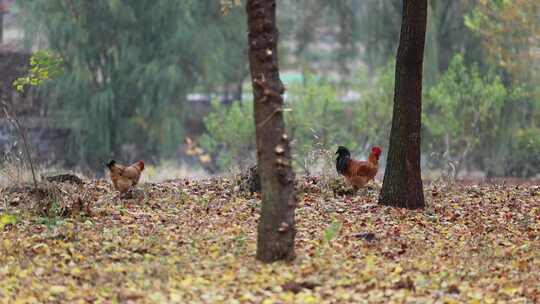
<point>139,77</point>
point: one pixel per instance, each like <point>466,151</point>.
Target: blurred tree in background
<point>129,66</point>
<point>369,30</point>
<point>509,31</point>
<point>461,113</point>
<point>510,35</point>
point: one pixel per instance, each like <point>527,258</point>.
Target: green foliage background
<point>318,121</point>
<point>461,125</point>
<point>129,65</point>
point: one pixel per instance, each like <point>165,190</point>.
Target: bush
<point>462,123</point>
<point>230,134</point>
<point>371,115</point>
<point>525,161</point>
<point>318,122</point>
<point>461,113</point>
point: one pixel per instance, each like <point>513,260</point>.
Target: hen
<point>125,177</point>
<point>358,173</point>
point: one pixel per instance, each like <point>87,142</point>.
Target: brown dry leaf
<point>194,242</point>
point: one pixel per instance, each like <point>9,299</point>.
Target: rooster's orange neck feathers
<point>374,159</point>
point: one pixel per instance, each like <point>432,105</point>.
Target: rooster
<point>358,173</point>
<point>125,177</point>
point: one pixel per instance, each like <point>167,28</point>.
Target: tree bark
<point>402,185</point>
<point>276,229</point>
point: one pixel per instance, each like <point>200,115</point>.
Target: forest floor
<point>194,242</point>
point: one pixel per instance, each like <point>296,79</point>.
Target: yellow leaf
<point>7,219</point>
<point>205,158</point>
<point>187,282</point>
<point>510,291</point>
<point>287,297</point>
<point>248,296</point>
<point>201,281</point>
<point>176,298</point>
<point>475,297</point>
<point>214,251</point>
<point>306,298</point>
<point>371,261</point>
<point>450,301</point>
<point>489,300</point>
<point>76,271</point>
<point>56,289</point>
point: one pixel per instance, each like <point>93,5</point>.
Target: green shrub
<point>230,134</point>
<point>525,161</point>
<point>318,122</point>
<point>371,115</point>
<point>461,113</point>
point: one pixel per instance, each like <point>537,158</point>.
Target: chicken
<point>358,173</point>
<point>125,177</point>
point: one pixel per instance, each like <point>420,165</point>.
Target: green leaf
<point>332,231</point>
<point>43,66</point>
<point>7,219</point>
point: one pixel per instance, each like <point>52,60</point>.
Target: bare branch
<point>12,118</point>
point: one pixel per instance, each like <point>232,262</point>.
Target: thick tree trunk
<point>402,185</point>
<point>276,231</point>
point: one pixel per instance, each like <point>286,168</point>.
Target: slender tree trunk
<point>276,230</point>
<point>1,26</point>
<point>402,185</point>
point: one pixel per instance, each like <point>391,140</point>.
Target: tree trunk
<point>276,230</point>
<point>402,185</point>
<point>1,26</point>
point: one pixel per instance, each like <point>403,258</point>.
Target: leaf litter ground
<point>194,242</point>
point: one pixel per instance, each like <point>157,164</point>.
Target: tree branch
<point>22,133</point>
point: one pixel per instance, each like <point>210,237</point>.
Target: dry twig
<point>24,136</point>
